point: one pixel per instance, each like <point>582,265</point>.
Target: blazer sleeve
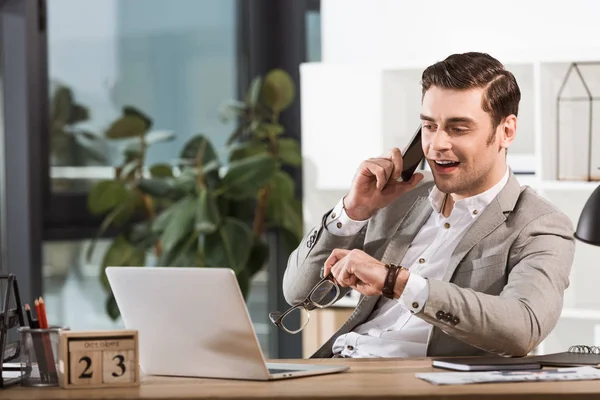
<point>305,264</point>
<point>527,309</point>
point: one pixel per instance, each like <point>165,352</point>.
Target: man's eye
<point>458,130</point>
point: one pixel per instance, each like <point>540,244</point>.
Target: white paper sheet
<point>461,378</point>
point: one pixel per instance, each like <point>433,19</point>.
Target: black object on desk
<point>10,318</point>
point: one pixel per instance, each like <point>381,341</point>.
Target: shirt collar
<point>474,204</point>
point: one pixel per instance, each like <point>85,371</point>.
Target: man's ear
<point>508,131</point>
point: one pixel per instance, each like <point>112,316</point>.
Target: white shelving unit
<point>351,112</point>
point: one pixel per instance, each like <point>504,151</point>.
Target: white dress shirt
<point>392,330</point>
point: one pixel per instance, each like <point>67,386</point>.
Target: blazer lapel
<point>493,216</point>
<point>412,222</point>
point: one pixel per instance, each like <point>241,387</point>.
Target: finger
<point>381,169</point>
<point>335,256</point>
<point>336,271</point>
<point>345,277</point>
<point>396,157</point>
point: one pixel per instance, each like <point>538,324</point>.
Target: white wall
<point>423,31</point>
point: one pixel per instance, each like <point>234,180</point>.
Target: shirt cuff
<point>340,224</point>
<point>415,294</point>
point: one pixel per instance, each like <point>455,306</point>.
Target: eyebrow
<point>464,120</point>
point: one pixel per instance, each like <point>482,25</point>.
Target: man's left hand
<point>356,269</point>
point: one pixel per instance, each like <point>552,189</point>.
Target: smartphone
<point>412,156</point>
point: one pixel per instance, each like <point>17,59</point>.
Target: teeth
<point>445,162</point>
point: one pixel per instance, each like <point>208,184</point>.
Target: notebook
<point>576,356</point>
<point>491,363</point>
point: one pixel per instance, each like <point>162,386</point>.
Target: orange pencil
<point>42,314</point>
<point>38,312</point>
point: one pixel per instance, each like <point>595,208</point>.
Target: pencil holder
<point>39,356</point>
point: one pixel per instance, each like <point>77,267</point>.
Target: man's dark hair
<point>477,70</point>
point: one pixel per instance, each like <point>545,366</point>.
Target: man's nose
<point>440,141</point>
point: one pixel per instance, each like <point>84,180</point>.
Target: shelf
<point>568,185</point>
<point>580,313</point>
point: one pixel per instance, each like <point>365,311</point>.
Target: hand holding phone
<point>376,183</point>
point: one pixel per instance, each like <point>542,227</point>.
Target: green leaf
<point>247,149</point>
<point>111,307</point>
<point>78,114</point>
<point>266,130</point>
<point>132,123</point>
<point>289,152</point>
<point>106,195</point>
<point>118,217</point>
<point>193,147</point>
<point>181,223</point>
<point>229,246</point>
<point>278,90</point>
<point>184,254</point>
<point>126,127</point>
<point>254,91</point>
<point>159,136</point>
<point>129,168</point>
<point>281,187</point>
<point>93,147</point>
<point>237,134</point>
<point>121,253</point>
<point>258,257</point>
<point>243,279</point>
<point>231,110</point>
<point>61,105</point>
<point>142,236</point>
<point>134,112</point>
<point>245,177</point>
<point>163,188</point>
<point>282,208</point>
<point>192,150</point>
<point>240,209</point>
<point>207,213</point>
<point>161,171</point>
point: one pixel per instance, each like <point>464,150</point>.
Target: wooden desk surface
<point>367,379</point>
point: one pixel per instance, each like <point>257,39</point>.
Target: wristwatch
<point>390,280</point>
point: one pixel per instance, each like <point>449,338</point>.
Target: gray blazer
<point>502,292</point>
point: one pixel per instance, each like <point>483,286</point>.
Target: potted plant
<point>199,211</point>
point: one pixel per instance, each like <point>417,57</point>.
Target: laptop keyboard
<point>279,371</point>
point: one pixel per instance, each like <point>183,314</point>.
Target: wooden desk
<point>367,379</point>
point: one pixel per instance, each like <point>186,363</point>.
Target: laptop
<point>194,322</point>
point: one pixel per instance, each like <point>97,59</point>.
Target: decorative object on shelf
<point>197,211</point>
<point>577,135</point>
<point>588,226</point>
<point>89,359</point>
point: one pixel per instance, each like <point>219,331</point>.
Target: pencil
<point>42,315</point>
<point>29,317</point>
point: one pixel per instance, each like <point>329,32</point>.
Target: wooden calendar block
<point>85,368</point>
<point>98,359</point>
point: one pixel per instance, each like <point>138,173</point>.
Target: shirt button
<point>475,212</point>
<point>415,305</point>
<point>333,215</point>
<point>421,260</point>
<point>339,225</point>
<point>350,348</point>
<point>447,225</point>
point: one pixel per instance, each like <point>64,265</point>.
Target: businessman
<point>466,263</point>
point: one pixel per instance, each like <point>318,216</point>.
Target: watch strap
<point>390,280</point>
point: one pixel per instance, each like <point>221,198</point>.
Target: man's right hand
<point>375,185</point>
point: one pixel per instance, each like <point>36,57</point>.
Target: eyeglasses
<point>324,294</point>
